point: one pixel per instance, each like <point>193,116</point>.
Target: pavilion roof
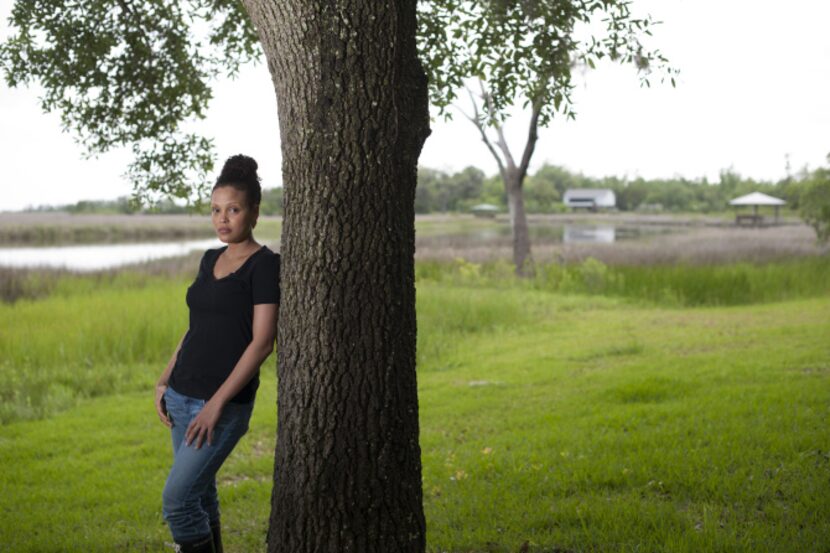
<point>757,198</point>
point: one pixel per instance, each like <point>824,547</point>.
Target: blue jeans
<point>190,502</point>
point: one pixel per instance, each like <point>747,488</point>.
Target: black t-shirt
<point>221,323</point>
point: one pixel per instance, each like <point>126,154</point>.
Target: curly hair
<point>239,172</point>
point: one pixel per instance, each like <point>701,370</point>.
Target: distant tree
<point>558,177</point>
<point>271,203</point>
<point>466,187</point>
<point>791,190</point>
<point>492,191</point>
<point>815,203</point>
<point>440,191</point>
<point>431,193</point>
<point>541,194</point>
<point>632,195</point>
<point>729,182</point>
<point>526,49</point>
<point>673,195</point>
<point>166,206</point>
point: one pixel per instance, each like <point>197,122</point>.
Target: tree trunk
<point>353,115</point>
<point>518,223</point>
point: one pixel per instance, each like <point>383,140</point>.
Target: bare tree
<point>512,175</point>
<point>526,49</point>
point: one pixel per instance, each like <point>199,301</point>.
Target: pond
<point>91,257</point>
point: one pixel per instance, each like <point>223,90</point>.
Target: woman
<point>206,394</point>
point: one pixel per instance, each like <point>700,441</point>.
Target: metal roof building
<point>590,198</point>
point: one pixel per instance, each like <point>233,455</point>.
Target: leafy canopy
<point>132,73</point>
<point>529,48</point>
<point>122,72</point>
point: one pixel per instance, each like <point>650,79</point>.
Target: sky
<point>753,91</point>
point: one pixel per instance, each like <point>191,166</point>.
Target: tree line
<point>440,191</point>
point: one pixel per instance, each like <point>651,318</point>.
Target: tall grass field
<point>587,409</point>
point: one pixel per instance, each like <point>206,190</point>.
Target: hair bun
<point>239,172</point>
<point>239,168</point>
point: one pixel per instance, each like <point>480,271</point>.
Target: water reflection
<point>589,234</point>
<point>91,257</point>
<point>569,233</point>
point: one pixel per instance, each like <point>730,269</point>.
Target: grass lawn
<point>572,423</point>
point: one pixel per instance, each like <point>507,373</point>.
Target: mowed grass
<point>566,422</point>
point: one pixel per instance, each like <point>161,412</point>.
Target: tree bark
<point>353,116</point>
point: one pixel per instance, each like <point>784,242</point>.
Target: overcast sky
<point>754,87</point>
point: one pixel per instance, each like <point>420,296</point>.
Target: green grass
<point>586,423</point>
<point>630,429</point>
<point>673,285</point>
<point>82,342</point>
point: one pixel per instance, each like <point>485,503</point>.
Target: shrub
<point>814,203</point>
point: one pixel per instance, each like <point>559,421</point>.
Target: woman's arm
<point>161,385</point>
<point>165,375</point>
<point>266,316</point>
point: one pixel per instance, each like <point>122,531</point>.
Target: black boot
<point>202,545</point>
<point>217,537</point>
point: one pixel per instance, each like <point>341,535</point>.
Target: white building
<point>590,198</point>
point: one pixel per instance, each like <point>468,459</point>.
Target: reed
<point>690,244</point>
<point>676,284</point>
<point>86,340</point>
<point>34,228</point>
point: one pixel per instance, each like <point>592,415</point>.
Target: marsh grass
<point>86,340</point>
<point>560,421</point>
<point>79,342</point>
<point>17,284</point>
<point>693,245</point>
<point>681,284</point>
<point>41,228</point>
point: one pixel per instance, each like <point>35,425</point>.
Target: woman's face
<point>231,215</point>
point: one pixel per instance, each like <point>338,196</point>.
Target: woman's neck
<point>243,248</point>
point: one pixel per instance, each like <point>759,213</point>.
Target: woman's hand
<point>203,423</point>
<point>161,408</point>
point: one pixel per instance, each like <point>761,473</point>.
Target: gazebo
<point>755,200</point>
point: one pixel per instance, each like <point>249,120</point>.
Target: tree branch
<point>476,120</point>
<point>532,137</point>
<point>501,142</point>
